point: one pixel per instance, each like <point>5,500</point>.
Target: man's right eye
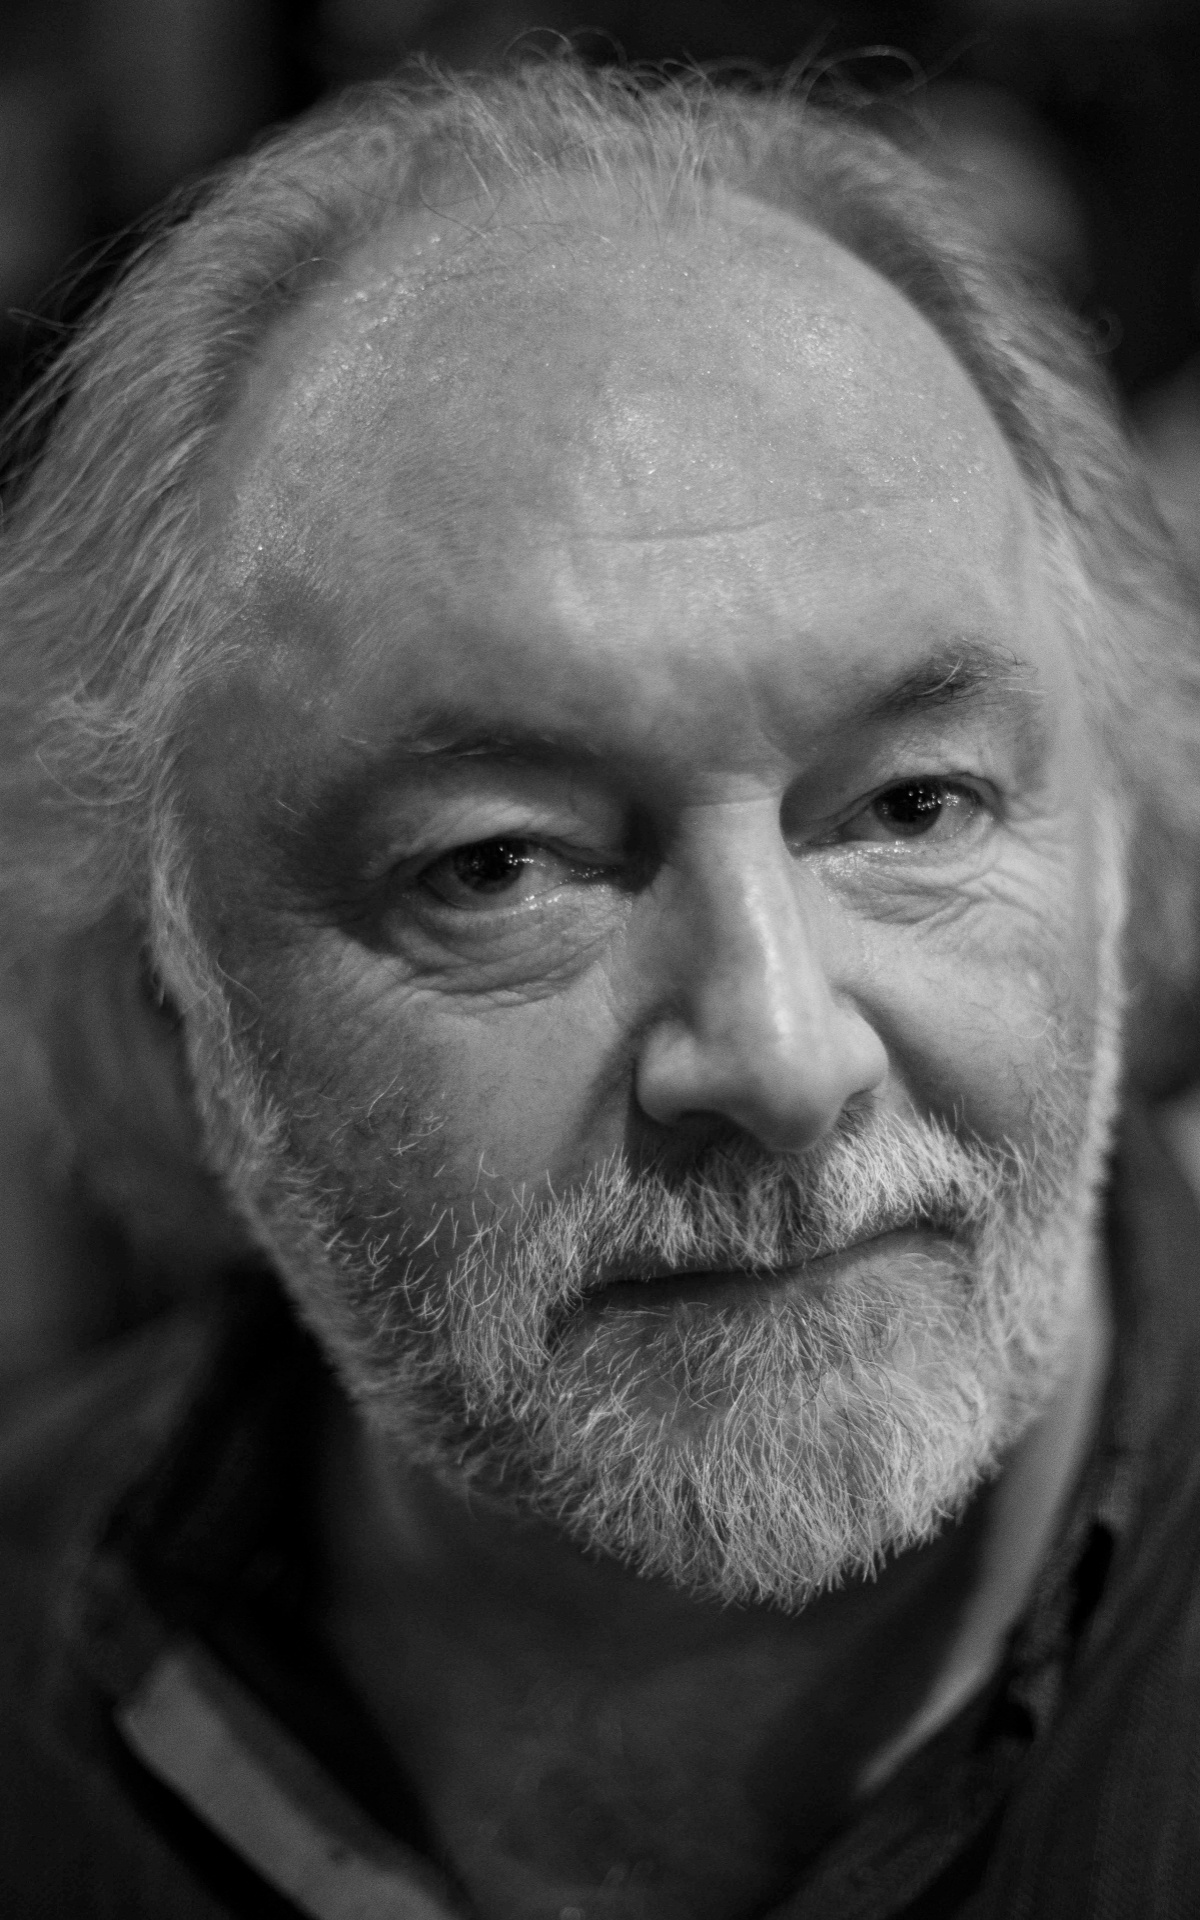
<point>508,872</point>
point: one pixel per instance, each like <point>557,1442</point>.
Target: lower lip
<point>715,1288</point>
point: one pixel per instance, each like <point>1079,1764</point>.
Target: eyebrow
<point>965,672</point>
<point>962,672</point>
<point>442,734</point>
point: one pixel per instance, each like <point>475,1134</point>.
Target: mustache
<point>738,1208</point>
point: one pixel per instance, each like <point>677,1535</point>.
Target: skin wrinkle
<point>444,324</point>
<point>947,679</point>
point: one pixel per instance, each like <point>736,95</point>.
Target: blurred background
<point>1073,125</point>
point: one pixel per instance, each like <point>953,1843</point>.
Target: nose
<point>751,1028</point>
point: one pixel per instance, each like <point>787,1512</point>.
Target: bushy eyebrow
<point>446,735</point>
<point>960,672</point>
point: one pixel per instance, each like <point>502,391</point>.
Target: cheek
<point>993,1016</point>
<point>414,1102</point>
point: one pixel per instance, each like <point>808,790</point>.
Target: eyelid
<point>404,870</point>
<point>970,783</point>
<point>980,790</point>
<point>572,867</point>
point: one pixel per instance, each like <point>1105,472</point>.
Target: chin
<point>766,1448</point>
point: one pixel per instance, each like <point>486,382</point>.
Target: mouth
<point>717,1287</point>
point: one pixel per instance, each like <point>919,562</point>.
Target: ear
<point>114,1050</point>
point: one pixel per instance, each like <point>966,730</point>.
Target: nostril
<point>785,1096</point>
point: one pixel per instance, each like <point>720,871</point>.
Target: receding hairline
<point>413,288</point>
<point>434,256</point>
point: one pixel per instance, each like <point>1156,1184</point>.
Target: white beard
<point>764,1449</point>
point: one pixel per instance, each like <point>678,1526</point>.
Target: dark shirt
<point>176,1741</point>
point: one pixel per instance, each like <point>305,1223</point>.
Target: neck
<point>583,1739</point>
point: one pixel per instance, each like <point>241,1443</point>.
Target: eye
<point>504,871</point>
<point>928,809</point>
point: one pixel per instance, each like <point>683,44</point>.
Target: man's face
<point>649,753</point>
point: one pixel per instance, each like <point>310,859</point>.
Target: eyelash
<point>948,787</point>
<point>513,846</point>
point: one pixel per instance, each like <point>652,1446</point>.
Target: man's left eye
<point>927,809</point>
<point>504,871</point>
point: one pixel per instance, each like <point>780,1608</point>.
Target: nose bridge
<point>756,1031</point>
<point>758,988</point>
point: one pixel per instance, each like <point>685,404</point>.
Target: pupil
<point>490,866</point>
<point>915,807</point>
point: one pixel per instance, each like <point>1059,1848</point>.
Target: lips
<point>723,1286</point>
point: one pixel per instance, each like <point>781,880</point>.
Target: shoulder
<point>78,1837</point>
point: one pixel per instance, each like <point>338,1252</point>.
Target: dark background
<point>1072,124</point>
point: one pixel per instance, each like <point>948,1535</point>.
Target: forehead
<point>511,460</point>
<point>572,368</point>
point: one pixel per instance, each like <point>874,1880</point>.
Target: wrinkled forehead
<point>532,361</point>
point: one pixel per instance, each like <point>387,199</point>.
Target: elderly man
<point>587,692</point>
